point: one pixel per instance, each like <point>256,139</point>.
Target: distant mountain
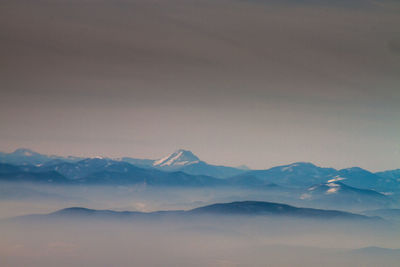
<point>335,194</point>
<point>180,160</point>
<point>303,174</point>
<point>142,163</point>
<point>150,177</point>
<point>177,159</point>
<point>361,178</point>
<point>127,170</point>
<point>250,182</point>
<point>186,161</point>
<point>390,174</point>
<point>270,208</point>
<point>244,208</point>
<point>298,174</point>
<point>9,168</point>
<point>23,156</point>
<point>243,167</point>
<point>11,173</point>
<point>101,171</point>
<point>85,167</point>
<point>106,171</point>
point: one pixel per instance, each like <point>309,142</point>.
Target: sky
<point>255,82</point>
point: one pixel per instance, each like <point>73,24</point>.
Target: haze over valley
<point>169,133</point>
<point>73,208</point>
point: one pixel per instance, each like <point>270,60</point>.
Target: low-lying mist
<point>27,198</point>
<point>205,240</point>
<point>200,241</point>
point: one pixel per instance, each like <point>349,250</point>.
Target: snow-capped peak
<point>178,158</point>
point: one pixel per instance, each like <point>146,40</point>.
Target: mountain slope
<point>23,156</point>
<point>106,171</point>
<point>85,167</point>
<point>177,159</point>
<point>391,174</point>
<point>186,161</point>
<point>296,174</point>
<point>302,174</point>
<point>335,194</point>
<point>360,178</point>
<point>102,172</point>
<point>270,208</point>
<point>180,160</point>
<point>11,173</point>
<point>142,163</point>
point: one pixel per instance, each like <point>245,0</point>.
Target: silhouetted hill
<point>244,208</point>
<point>269,208</point>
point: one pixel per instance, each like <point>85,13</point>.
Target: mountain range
<point>180,160</point>
<point>24,156</point>
<point>242,208</point>
<point>298,174</point>
<point>301,181</point>
<point>98,171</point>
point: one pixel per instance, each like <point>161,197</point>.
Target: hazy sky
<point>253,82</point>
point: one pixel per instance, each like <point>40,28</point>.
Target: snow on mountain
<point>296,174</point>
<point>336,179</point>
<point>177,159</point>
<point>334,188</point>
<point>24,156</point>
<point>335,194</point>
<point>327,188</point>
<point>185,161</point>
